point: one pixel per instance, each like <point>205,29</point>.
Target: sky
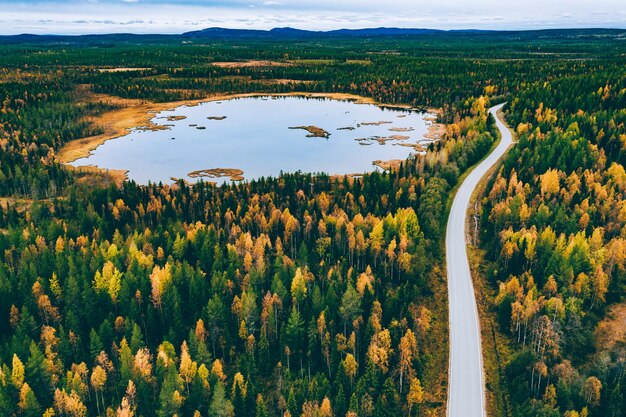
<point>166,16</point>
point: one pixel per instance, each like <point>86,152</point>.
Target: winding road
<point>466,385</point>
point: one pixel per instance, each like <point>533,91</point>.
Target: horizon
<point>81,17</point>
<point>459,30</point>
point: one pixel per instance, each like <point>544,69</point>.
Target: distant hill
<point>219,33</point>
<point>288,32</point>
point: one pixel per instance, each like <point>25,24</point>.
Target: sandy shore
<point>388,165</point>
<point>435,131</point>
<point>95,175</point>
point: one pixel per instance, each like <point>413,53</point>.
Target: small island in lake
<point>233,173</point>
<point>382,122</point>
<point>175,118</point>
<point>314,131</point>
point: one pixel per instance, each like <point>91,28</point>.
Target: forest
<point>309,295</point>
<point>554,226</point>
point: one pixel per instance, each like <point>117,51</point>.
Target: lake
<point>264,136</point>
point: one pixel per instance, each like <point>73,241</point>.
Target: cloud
<point>168,16</point>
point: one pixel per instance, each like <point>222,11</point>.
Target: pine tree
<point>220,405</point>
<point>28,404</point>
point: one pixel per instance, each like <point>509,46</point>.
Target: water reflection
<point>253,135</point>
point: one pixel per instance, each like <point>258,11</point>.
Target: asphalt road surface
<point>466,385</point>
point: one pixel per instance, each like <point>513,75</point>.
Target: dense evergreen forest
<point>309,295</point>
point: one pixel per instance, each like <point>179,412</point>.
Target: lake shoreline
<point>119,122</point>
<point>138,114</point>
